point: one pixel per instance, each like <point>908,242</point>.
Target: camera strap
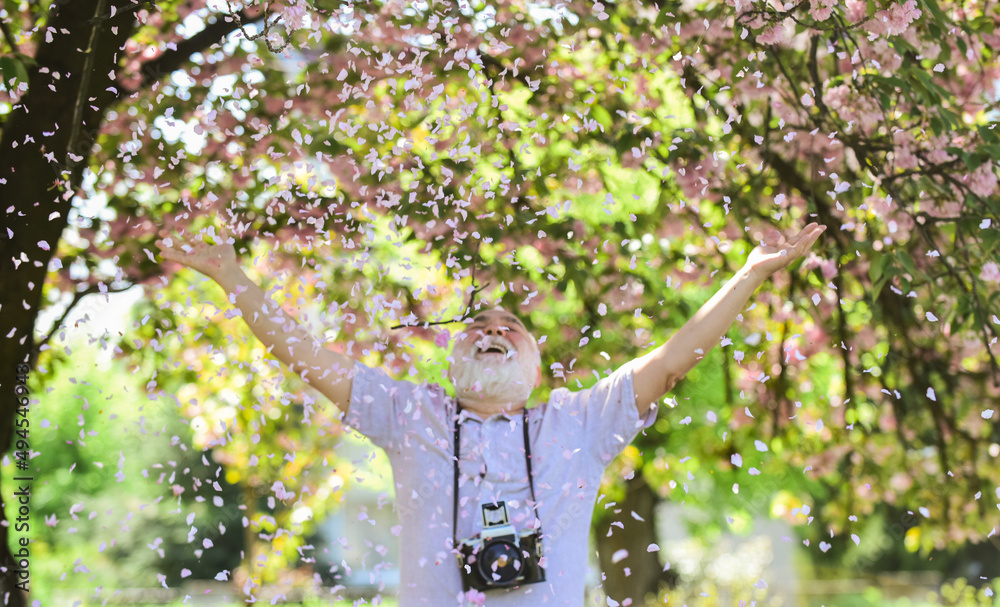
<point>458,457</point>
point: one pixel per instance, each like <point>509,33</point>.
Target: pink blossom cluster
<point>772,35</point>
<point>837,97</point>
<point>936,149</point>
<point>899,226</point>
<point>827,267</point>
<point>293,14</point>
<point>945,208</point>
<point>902,152</point>
<point>740,5</point>
<point>881,53</point>
<point>856,10</point>
<point>715,31</point>
<point>983,181</point>
<point>627,298</point>
<point>696,180</point>
<point>894,20</point>
<point>820,10</point>
<point>990,272</point>
<point>858,109</point>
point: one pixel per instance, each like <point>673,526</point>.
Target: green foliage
<point>960,593</point>
<point>957,593</point>
<point>103,513</point>
<point>12,71</point>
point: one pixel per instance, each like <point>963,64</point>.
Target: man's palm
<point>777,252</point>
<point>210,260</point>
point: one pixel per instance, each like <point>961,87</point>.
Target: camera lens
<point>500,562</point>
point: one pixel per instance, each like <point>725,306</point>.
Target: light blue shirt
<point>574,436</point>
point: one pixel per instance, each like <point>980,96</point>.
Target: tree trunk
<point>247,584</point>
<point>60,114</point>
<point>640,573</point>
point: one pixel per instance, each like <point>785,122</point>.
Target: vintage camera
<point>499,556</point>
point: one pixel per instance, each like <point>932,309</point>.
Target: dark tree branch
<point>88,68</point>
<point>928,170</point>
<point>941,427</point>
<point>455,319</point>
<point>781,382</point>
<point>174,59</point>
<point>985,328</point>
<point>468,306</point>
<point>77,297</point>
<point>981,315</point>
<point>796,99</point>
<point>898,408</point>
<point>265,31</point>
<point>9,37</point>
<point>964,187</point>
<point>842,330</point>
<point>769,13</point>
<point>816,80</point>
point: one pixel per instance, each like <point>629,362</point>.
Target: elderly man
<point>494,499</point>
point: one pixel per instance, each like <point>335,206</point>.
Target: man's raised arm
<point>655,373</point>
<point>284,337</point>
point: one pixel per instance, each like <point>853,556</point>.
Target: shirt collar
<point>465,414</point>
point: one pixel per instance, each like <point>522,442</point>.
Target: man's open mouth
<point>495,347</point>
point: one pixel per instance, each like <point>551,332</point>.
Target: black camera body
<point>500,557</point>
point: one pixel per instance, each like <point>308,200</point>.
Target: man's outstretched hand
<point>283,336</point>
<point>775,252</point>
<point>212,260</point>
<point>656,372</point>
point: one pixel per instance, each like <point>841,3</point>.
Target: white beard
<point>502,382</point>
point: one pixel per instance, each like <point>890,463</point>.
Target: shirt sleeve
<point>379,405</point>
<point>610,415</point>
